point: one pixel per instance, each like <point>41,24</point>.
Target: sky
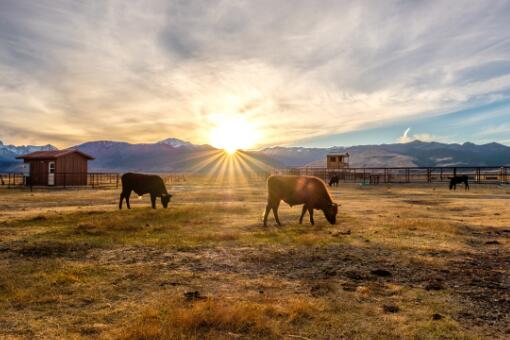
<point>309,73</point>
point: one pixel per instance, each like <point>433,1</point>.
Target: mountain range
<point>416,153</point>
<point>9,152</point>
<point>175,155</point>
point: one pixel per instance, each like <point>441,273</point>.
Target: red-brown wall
<point>38,171</point>
<point>70,169</point>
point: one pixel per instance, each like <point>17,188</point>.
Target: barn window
<point>332,158</point>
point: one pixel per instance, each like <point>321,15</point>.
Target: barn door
<point>51,173</point>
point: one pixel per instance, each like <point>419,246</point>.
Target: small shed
<point>56,168</point>
<point>337,160</point>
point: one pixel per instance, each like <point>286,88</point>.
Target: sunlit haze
<point>232,134</point>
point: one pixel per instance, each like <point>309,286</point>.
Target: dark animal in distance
<point>144,184</point>
<point>295,190</point>
<point>458,180</point>
<point>334,180</point>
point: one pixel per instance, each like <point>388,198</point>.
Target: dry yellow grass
<point>73,266</point>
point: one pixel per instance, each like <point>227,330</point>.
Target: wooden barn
<point>337,160</point>
<point>56,168</point>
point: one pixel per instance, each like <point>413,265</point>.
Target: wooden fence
<point>64,179</point>
<point>482,175</point>
<point>110,179</point>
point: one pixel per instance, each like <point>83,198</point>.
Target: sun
<point>232,134</point>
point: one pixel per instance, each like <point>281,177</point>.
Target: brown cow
<point>294,190</point>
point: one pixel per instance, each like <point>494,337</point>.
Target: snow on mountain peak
<point>175,143</point>
<point>24,149</point>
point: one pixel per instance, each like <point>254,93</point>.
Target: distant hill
<point>175,155</point>
<point>415,153</point>
<point>169,155</point>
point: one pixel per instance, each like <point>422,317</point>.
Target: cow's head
<point>330,212</point>
<point>165,198</point>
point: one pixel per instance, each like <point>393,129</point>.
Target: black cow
<point>334,180</point>
<point>144,184</point>
<point>458,180</point>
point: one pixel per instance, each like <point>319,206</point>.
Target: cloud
<point>405,138</point>
<point>426,137</point>
<point>423,137</point>
<point>145,71</point>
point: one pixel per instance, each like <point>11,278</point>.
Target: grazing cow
<point>295,190</point>
<point>334,180</point>
<point>144,184</point>
<point>458,180</point>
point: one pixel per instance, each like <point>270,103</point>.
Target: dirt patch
<point>481,279</point>
<point>425,202</point>
<point>48,249</point>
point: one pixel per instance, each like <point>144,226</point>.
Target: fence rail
<point>482,175</point>
<point>105,179</point>
<point>61,179</point>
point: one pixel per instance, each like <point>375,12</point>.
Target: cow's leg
<point>275,212</point>
<point>126,195</point>
<point>121,199</point>
<point>310,211</point>
<point>268,209</point>
<point>153,201</point>
<point>302,213</point>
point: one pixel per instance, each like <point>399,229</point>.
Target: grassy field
<point>402,262</point>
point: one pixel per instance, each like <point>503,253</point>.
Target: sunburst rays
<point>222,166</point>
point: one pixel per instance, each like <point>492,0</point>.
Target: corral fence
<point>112,179</point>
<point>233,177</point>
<point>60,179</point>
<point>482,175</point>
<point>174,178</point>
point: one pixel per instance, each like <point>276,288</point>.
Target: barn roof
<point>53,154</point>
